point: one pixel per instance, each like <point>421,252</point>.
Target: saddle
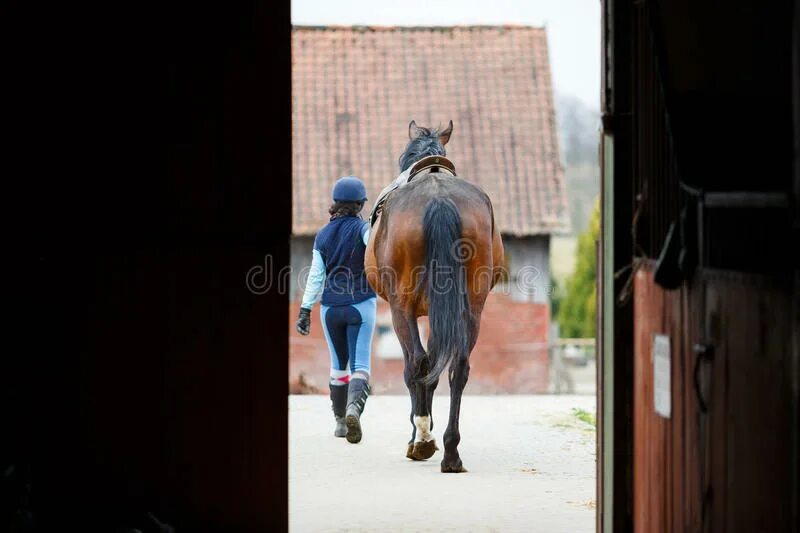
<point>428,165</point>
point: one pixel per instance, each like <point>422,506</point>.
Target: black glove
<point>304,321</point>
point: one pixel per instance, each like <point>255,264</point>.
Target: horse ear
<point>414,131</point>
<point>444,136</point>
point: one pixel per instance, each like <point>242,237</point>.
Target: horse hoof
<point>422,450</point>
<point>453,468</point>
<point>410,451</point>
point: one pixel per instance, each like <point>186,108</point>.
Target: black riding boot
<point>356,400</point>
<point>339,404</point>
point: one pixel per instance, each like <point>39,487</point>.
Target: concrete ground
<point>530,461</point>
<point>583,379</point>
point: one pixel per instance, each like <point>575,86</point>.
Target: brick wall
<point>510,357</point>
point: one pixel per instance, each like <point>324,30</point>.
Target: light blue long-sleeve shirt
<point>316,275</point>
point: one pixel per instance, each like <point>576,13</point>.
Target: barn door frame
<point>615,320</point>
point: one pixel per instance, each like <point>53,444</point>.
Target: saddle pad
<point>428,163</point>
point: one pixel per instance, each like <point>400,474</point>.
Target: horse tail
<point>448,303</point>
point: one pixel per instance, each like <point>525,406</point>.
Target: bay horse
<point>434,251</point>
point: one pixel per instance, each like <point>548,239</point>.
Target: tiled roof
<point>355,89</point>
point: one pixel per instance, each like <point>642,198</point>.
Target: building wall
<point>511,354</point>
<point>740,447</point>
<point>528,265</point>
<point>301,259</point>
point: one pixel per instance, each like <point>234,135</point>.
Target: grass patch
<point>584,416</point>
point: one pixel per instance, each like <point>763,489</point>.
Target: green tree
<point>577,311</point>
<point>556,295</point>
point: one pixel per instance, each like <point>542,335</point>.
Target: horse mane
<point>425,144</point>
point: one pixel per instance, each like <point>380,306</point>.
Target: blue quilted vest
<point>342,248</point>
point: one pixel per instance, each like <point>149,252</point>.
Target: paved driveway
<point>531,465</point>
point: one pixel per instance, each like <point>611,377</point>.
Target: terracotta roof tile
<point>355,89</point>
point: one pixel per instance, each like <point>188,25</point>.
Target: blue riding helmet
<point>349,189</point>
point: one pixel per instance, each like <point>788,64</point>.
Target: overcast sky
<point>573,28</point>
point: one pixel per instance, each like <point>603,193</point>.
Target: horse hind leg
<point>458,380</point>
<point>421,445</point>
<point>458,375</point>
<point>424,443</point>
<point>408,375</point>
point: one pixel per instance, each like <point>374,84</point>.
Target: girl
<point>348,304</point>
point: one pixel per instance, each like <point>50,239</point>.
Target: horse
<point>434,251</point>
